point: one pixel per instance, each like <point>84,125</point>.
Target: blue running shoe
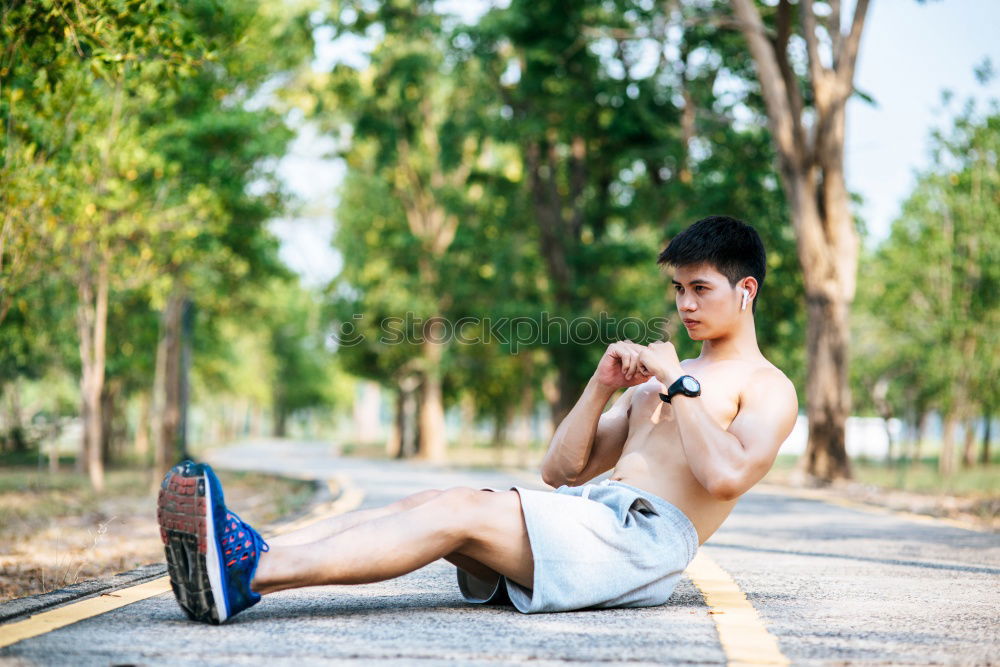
<point>212,554</point>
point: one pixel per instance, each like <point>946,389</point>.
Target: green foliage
<point>928,307</point>
<point>135,138</point>
<point>582,156</point>
<point>304,367</point>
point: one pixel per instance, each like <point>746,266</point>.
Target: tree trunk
<point>14,425</point>
<point>810,150</point>
<point>568,382</point>
<point>550,389</point>
<point>879,393</point>
<point>827,397</point>
<point>918,441</point>
<point>411,424</point>
<point>140,444</point>
<point>467,432</point>
<point>559,213</point>
<point>92,319</point>
<point>969,446</point>
<point>167,443</point>
<point>394,443</point>
<point>984,453</point>
<point>946,459</point>
<point>405,436</point>
<point>183,381</point>
<point>433,443</point>
<point>523,433</point>
<point>108,435</point>
<point>156,398</point>
<point>280,429</point>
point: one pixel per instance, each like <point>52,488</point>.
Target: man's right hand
<point>619,367</point>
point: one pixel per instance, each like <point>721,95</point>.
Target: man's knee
<point>465,507</point>
<point>460,498</point>
<point>420,498</point>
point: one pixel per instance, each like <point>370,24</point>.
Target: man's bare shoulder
<point>769,390</point>
<point>757,368</point>
<point>772,374</point>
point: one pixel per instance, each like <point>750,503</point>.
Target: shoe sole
<point>187,528</point>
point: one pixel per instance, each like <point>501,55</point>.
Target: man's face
<point>706,302</point>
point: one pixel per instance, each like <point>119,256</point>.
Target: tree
<point>132,158</point>
<point>586,165</point>
<point>401,108</point>
<point>930,306</point>
<point>303,374</point>
<point>619,156</point>
<point>808,129</point>
<point>72,68</point>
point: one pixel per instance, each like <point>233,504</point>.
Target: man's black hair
<point>733,247</point>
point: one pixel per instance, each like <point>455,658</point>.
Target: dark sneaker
<point>211,553</point>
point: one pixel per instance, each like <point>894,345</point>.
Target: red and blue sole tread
<point>183,509</point>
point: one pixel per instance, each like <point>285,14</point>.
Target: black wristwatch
<point>685,385</point>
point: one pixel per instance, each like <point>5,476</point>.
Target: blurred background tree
<point>927,326</point>
<point>584,167</point>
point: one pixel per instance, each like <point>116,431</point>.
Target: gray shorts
<point>599,545</point>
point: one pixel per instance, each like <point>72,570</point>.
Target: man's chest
<point>720,397</point>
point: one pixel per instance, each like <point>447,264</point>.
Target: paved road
<point>833,585</point>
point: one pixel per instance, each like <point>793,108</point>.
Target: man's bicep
<point>765,420</point>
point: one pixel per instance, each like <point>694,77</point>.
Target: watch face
<point>690,384</point>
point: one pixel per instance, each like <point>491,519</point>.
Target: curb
<point>325,494</point>
<point>33,604</point>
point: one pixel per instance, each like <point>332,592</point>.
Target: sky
<point>910,52</point>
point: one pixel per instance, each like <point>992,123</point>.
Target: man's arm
<point>586,439</point>
<point>587,443</point>
<point>727,463</point>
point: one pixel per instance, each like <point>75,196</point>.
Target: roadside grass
<point>916,477</point>
<point>56,531</point>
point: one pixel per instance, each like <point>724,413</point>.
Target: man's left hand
<point>660,359</point>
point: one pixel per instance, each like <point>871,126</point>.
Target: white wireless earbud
<point>746,294</point>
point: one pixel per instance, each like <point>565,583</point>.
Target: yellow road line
<point>54,619</point>
<point>57,618</point>
<point>742,633</point>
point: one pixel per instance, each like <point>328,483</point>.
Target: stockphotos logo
<point>516,332</point>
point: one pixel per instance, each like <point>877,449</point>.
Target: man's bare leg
<point>483,526</point>
<point>325,528</point>
<point>337,524</point>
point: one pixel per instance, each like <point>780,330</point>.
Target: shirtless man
<point>685,440</point>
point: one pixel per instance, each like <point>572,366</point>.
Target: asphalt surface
<point>833,585</point>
